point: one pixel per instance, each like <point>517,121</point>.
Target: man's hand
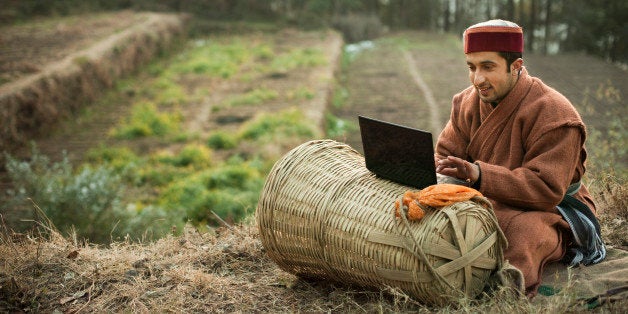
<point>457,168</point>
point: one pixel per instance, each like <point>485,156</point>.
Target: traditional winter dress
<point>530,149</point>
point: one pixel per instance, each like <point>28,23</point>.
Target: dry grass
<point>224,270</point>
<point>611,195</point>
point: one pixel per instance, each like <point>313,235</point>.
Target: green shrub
<point>88,201</point>
<point>358,27</point>
<point>263,52</point>
<point>192,155</point>
<point>268,126</point>
<point>213,58</point>
<point>232,176</point>
<point>297,58</point>
<point>117,158</point>
<point>231,205</point>
<point>145,121</point>
<point>168,92</point>
<point>340,96</point>
<point>221,140</point>
<point>301,93</point>
<point>231,191</point>
<point>157,174</point>
<point>254,97</point>
<point>336,127</point>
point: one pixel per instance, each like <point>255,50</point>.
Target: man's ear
<point>516,66</point>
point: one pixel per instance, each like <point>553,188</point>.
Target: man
<point>521,144</point>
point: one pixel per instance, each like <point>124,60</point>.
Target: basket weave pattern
<point>323,215</point>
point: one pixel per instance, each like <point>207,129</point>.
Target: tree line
<point>597,27</point>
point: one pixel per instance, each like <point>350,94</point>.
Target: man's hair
<point>510,58</point>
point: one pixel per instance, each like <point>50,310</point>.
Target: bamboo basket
<point>323,215</point>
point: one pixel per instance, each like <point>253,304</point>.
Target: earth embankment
<point>52,69</point>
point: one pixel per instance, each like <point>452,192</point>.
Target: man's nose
<point>478,79</point>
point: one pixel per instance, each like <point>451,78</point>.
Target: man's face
<point>488,73</point>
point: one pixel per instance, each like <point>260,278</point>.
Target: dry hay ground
<point>227,270</point>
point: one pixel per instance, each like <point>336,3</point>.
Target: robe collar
<point>494,119</point>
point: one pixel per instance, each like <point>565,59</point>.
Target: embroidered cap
<point>493,35</point>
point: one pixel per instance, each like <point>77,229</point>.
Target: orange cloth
<point>438,195</point>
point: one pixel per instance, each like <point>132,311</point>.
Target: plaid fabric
<point>588,247</point>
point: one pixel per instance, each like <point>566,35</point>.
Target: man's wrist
<point>477,182</point>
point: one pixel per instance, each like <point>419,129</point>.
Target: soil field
<point>28,48</point>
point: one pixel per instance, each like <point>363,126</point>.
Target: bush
<point>145,121</point>
<point>298,58</point>
<point>215,59</point>
<point>88,202</point>
<point>268,126</point>
<point>254,97</point>
<point>230,191</point>
<point>336,127</point>
<point>118,158</point>
<point>192,155</point>
<point>221,140</point>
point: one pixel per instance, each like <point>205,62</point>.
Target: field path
<point>427,92</point>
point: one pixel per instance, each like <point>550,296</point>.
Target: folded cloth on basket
<point>437,195</point>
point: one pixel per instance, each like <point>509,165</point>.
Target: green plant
<point>192,155</point>
<point>166,91</point>
<point>150,222</point>
<point>221,140</point>
<point>145,121</point>
<point>336,127</point>
<point>230,191</point>
<point>340,96</point>
<point>117,158</point>
<point>253,97</point>
<point>88,201</point>
<point>296,58</point>
<point>301,93</point>
<point>214,58</point>
<point>263,52</point>
<point>268,126</point>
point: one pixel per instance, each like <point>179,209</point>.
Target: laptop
<point>398,153</point>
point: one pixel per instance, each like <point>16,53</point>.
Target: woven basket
<point>323,215</point>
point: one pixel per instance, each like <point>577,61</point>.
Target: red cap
<point>493,35</point>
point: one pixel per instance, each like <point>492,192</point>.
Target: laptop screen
<point>398,153</point>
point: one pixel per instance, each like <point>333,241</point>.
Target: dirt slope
<point>64,74</point>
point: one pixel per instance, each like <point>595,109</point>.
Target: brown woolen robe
<point>530,148</point>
